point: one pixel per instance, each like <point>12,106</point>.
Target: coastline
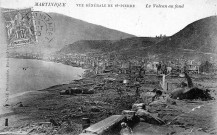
<point>38,74</point>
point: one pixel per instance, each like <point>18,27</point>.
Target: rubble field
<point>49,112</point>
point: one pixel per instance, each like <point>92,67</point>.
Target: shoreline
<point>46,60</point>
<point>39,74</point>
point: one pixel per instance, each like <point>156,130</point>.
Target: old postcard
<point>108,67</point>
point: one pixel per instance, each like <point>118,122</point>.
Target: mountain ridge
<point>197,39</point>
<point>85,46</point>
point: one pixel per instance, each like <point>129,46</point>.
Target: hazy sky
<point>139,21</point>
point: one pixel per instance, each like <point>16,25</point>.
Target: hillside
<point>69,30</point>
<point>200,36</point>
<point>121,46</point>
<point>197,40</point>
<point>85,46</point>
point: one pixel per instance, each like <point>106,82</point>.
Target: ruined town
<point>122,85</point>
<point>134,94</point>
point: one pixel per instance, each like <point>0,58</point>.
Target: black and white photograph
<point>108,67</point>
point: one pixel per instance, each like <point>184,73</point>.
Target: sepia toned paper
<point>108,67</point>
